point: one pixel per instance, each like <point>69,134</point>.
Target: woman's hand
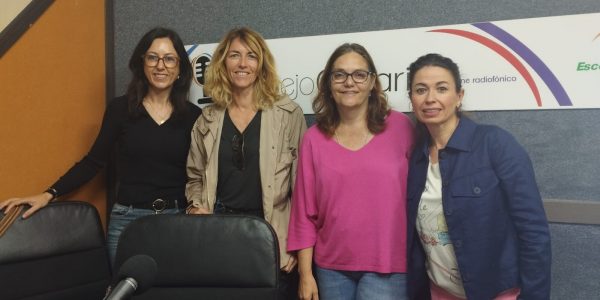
<point>307,287</point>
<point>291,264</point>
<point>36,202</point>
<point>192,210</point>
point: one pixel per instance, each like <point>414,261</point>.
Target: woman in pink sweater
<point>348,207</point>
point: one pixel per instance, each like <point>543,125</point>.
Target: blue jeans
<point>120,217</point>
<point>351,285</point>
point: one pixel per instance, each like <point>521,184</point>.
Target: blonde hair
<point>217,84</point>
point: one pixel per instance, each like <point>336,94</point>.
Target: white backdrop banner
<point>526,64</point>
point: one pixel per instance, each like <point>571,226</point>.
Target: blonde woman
<point>244,147</point>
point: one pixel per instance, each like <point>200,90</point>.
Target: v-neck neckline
<point>154,120</point>
<point>253,120</point>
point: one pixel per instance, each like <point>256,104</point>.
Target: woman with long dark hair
<point>151,126</point>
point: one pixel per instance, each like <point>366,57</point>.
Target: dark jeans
<point>120,217</point>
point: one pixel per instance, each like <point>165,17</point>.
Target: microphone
<point>135,276</point>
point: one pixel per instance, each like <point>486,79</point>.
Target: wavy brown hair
<point>326,112</point>
<point>267,89</point>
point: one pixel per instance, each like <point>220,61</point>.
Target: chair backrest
<point>57,253</point>
<point>205,256</point>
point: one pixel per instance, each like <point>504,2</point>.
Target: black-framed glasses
<point>152,60</point>
<point>358,76</point>
<point>237,145</point>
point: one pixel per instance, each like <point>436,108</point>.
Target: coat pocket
<point>287,157</point>
<point>475,185</point>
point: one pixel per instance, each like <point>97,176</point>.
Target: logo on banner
<point>200,64</point>
<point>524,52</point>
<point>507,65</point>
<point>589,66</point>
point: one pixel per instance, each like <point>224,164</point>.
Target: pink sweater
<point>351,205</point>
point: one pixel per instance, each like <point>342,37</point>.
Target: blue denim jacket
<point>494,212</point>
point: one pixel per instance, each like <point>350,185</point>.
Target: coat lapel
<point>213,118</point>
<point>269,130</point>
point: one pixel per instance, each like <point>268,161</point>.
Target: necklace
<point>339,141</point>
<point>160,116</point>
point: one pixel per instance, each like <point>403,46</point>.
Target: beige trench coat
<point>282,127</point>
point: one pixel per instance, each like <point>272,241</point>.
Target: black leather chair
<point>205,256</point>
<point>57,253</point>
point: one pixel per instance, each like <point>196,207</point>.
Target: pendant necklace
<point>162,116</point>
<point>339,141</point>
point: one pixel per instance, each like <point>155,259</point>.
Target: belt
<point>158,205</point>
<point>220,208</point>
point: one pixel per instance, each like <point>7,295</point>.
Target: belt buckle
<point>159,205</point>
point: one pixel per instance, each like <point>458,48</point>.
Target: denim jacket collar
<point>460,140</point>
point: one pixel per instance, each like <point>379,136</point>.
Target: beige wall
<point>11,9</point>
<point>52,97</point>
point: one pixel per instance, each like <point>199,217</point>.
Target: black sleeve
<point>195,112</point>
<point>83,171</point>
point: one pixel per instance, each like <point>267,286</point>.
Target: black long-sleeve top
<point>151,158</point>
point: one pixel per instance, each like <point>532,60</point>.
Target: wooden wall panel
<point>52,98</point>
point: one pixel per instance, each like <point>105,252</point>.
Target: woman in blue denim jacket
<point>476,224</point>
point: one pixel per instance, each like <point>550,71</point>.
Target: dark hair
<point>138,86</point>
<point>436,60</point>
<point>326,112</point>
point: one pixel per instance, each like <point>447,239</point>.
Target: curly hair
<point>267,89</point>
<point>324,106</point>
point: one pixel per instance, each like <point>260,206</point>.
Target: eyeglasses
<point>237,145</point>
<point>358,76</point>
<point>151,60</point>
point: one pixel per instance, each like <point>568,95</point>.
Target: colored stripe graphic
<point>192,48</point>
<point>531,58</point>
<point>502,52</point>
